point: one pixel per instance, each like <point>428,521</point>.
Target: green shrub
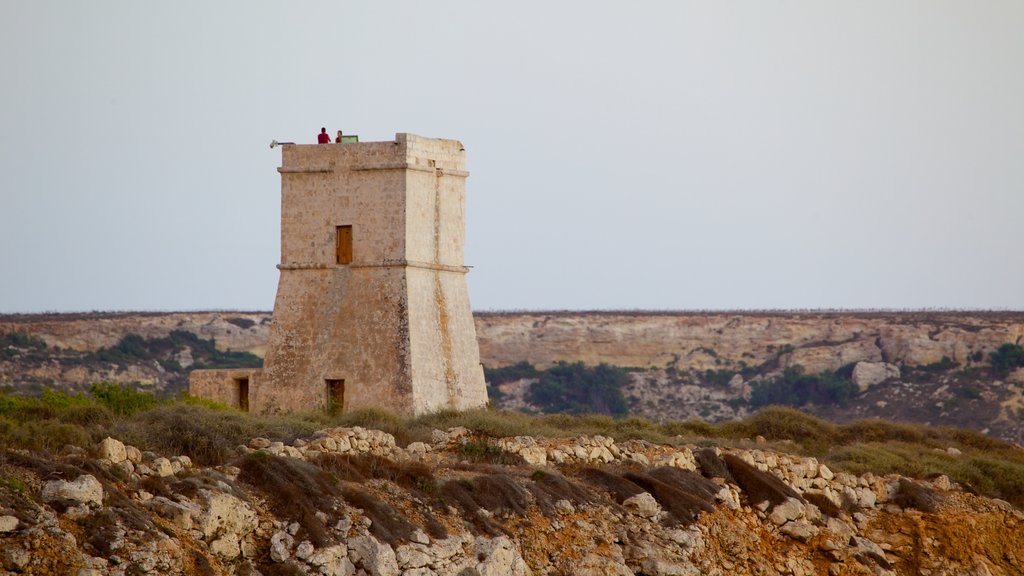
<point>718,377</point>
<point>1006,358</point>
<point>122,400</point>
<point>11,342</point>
<point>511,373</point>
<point>577,389</point>
<point>794,388</point>
<point>134,348</point>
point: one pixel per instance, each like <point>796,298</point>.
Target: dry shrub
<point>207,436</point>
<point>784,423</point>
<point>387,524</point>
<point>493,423</point>
<point>758,486</point>
<point>687,481</point>
<point>413,476</point>
<point>826,506</point>
<point>42,435</point>
<point>501,494</point>
<point>877,430</point>
<point>548,487</point>
<point>683,507</point>
<point>288,568</point>
<point>341,467</point>
<point>482,451</point>
<point>993,475</point>
<point>615,485</point>
<point>495,493</point>
<point>294,489</point>
<point>688,428</point>
<point>462,494</point>
<point>711,465</point>
<point>374,419</point>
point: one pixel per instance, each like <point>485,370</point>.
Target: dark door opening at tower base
<point>335,396</point>
<point>243,393</point>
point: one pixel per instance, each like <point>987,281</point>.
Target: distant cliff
<point>929,367</point>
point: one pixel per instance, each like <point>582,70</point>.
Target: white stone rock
<point>791,509</point>
<point>226,547</point>
<point>179,514</point>
<point>376,558</point>
<point>111,449</point>
<point>412,556</point>
<point>866,497</point>
<point>85,489</point>
<point>133,454</point>
<point>799,529</point>
<point>419,449</point>
<point>162,467</point>
<point>332,561</point>
<point>304,550</point>
<point>224,514</point>
<point>868,374</point>
<point>259,443</point>
<point>643,505</point>
<point>825,473</point>
<point>280,546</point>
<point>499,558</point>
<point>8,524</point>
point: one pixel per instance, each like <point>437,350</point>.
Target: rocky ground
<point>350,501</point>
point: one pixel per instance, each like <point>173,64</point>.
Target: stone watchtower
<point>372,307</point>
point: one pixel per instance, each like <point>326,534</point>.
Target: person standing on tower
<point>323,137</point>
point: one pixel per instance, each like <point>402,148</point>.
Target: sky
<point>623,155</point>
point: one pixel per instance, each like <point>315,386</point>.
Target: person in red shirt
<point>323,137</point>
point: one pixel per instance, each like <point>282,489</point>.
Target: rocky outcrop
<point>703,341</point>
<point>589,505</point>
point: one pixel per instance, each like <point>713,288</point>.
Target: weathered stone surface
<point>868,374</point>
<point>643,504</point>
<point>133,454</point>
<point>790,509</point>
<point>499,557</point>
<point>111,449</point>
<point>223,514</point>
<point>800,529</point>
<point>376,558</point>
<point>179,514</point>
<point>226,547</point>
<point>280,546</point>
<point>8,524</point>
<point>162,467</point>
<point>85,489</point>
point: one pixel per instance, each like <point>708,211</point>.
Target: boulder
<point>643,505</point>
<point>280,546</point>
<point>374,557</point>
<point>790,509</point>
<point>8,524</point>
<point>111,449</point>
<point>85,489</point>
<point>226,547</point>
<point>499,557</point>
<point>868,374</point>
<point>224,514</point>
<point>162,467</point>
